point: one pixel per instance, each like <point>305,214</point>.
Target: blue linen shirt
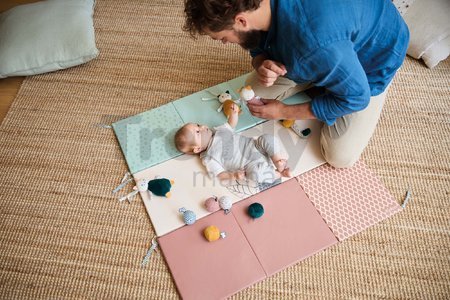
<point>350,47</point>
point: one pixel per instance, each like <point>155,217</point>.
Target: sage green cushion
<point>46,36</point>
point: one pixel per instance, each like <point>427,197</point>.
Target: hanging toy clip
<point>149,252</point>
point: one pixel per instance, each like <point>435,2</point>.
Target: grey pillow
<point>46,36</point>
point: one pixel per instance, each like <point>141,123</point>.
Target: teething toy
<point>189,216</point>
<point>255,210</point>
<point>211,204</point>
<point>225,203</point>
<point>212,233</point>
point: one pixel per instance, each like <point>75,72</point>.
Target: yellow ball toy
<point>287,123</point>
<point>212,233</point>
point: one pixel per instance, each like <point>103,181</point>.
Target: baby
<point>231,156</point>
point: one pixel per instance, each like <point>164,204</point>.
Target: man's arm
<point>274,109</point>
<point>337,68</point>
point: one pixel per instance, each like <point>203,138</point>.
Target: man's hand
<point>272,109</point>
<point>269,71</point>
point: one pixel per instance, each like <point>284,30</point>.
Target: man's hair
<point>214,15</point>
<point>183,140</point>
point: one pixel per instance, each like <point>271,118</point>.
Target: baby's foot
<point>280,165</point>
<point>286,173</point>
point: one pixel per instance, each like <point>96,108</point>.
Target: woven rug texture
<point>64,235</point>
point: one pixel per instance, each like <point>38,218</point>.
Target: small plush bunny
<point>221,97</point>
<point>226,102</point>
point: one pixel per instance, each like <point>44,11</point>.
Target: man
<point>351,48</point>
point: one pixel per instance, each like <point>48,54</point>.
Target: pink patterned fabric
<point>349,200</point>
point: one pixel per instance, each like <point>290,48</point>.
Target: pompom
<point>211,204</point>
<point>306,132</point>
<point>287,123</point>
<point>225,203</point>
<point>255,210</point>
<point>212,233</point>
<point>189,216</point>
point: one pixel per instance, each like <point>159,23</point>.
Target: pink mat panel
<point>290,230</point>
<point>333,205</point>
<point>210,270</point>
<point>349,200</point>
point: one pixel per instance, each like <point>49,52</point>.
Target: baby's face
<point>201,135</point>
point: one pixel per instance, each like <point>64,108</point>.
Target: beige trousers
<point>344,141</point>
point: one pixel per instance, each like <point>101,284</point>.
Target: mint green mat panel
<point>193,110</point>
<point>147,139</point>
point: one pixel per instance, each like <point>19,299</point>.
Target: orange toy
<point>227,107</point>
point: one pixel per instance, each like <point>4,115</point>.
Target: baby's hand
<point>234,108</point>
<point>239,175</point>
<point>233,117</point>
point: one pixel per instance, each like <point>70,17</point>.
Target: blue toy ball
<point>189,216</point>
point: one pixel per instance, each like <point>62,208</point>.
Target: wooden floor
<point>9,86</point>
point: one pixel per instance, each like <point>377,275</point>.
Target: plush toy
<point>211,204</point>
<point>227,108</point>
<point>189,216</point>
<point>221,97</point>
<point>248,96</point>
<point>160,187</point>
<point>225,100</point>
<point>212,233</point>
<point>255,210</point>
<point>157,186</point>
<point>225,203</point>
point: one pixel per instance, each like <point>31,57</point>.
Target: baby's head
<point>193,138</point>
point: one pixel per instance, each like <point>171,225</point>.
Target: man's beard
<point>249,39</point>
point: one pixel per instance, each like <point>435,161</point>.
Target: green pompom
<point>160,186</point>
<point>255,210</point>
<point>306,132</point>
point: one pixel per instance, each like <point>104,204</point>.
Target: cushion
<point>402,5</point>
<point>430,30</point>
<point>46,36</point>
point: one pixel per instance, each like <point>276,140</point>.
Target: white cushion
<point>403,5</point>
<point>46,36</point>
<point>429,26</point>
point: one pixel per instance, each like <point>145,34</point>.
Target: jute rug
<point>63,235</point>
